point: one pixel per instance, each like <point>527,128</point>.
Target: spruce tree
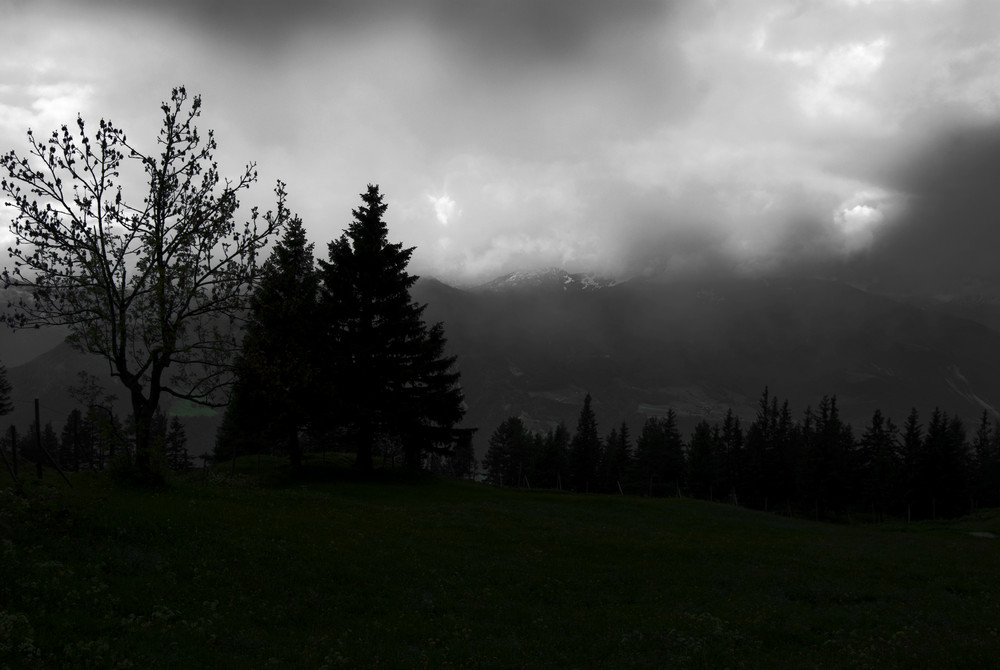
<point>275,390</point>
<point>462,464</point>
<point>175,447</point>
<point>986,462</point>
<point>650,456</point>
<point>913,445</point>
<point>703,461</point>
<point>990,475</point>
<point>616,459</point>
<point>675,464</point>
<point>50,444</point>
<point>881,465</point>
<point>770,457</point>
<point>786,456</point>
<point>585,450</point>
<point>732,456</point>
<point>758,456</point>
<point>660,462</point>
<point>551,467</point>
<point>386,369</point>
<point>980,456</point>
<point>76,442</point>
<point>506,457</point>
<point>941,472</point>
<point>622,463</point>
<point>828,461</point>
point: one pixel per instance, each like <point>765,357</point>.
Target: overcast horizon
<point>842,136</point>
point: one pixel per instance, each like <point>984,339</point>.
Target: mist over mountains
<point>533,344</point>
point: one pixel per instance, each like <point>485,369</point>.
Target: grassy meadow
<point>254,570</point>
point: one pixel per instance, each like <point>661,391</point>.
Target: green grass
<point>255,570</point>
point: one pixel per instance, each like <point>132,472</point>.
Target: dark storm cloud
<point>508,28</point>
<point>525,30</point>
<point>949,228</point>
<point>502,76</point>
<point>589,134</point>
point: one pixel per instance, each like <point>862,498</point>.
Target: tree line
<point>816,464</point>
<point>93,436</point>
<point>93,441</point>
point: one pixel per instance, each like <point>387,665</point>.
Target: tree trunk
<point>143,410</point>
<point>38,441</point>
<point>13,448</point>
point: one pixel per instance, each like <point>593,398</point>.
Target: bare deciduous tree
<point>147,284</point>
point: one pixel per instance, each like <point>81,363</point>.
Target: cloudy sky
<point>616,136</point>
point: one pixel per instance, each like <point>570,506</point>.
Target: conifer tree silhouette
<point>275,390</point>
<point>387,371</point>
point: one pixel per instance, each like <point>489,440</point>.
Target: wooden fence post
<point>13,448</point>
<point>38,442</point>
<point>9,469</point>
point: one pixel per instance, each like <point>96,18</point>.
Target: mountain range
<point>533,344</point>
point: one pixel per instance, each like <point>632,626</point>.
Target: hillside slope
<point>224,571</point>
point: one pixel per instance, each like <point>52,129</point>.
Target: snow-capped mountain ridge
<point>549,279</point>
